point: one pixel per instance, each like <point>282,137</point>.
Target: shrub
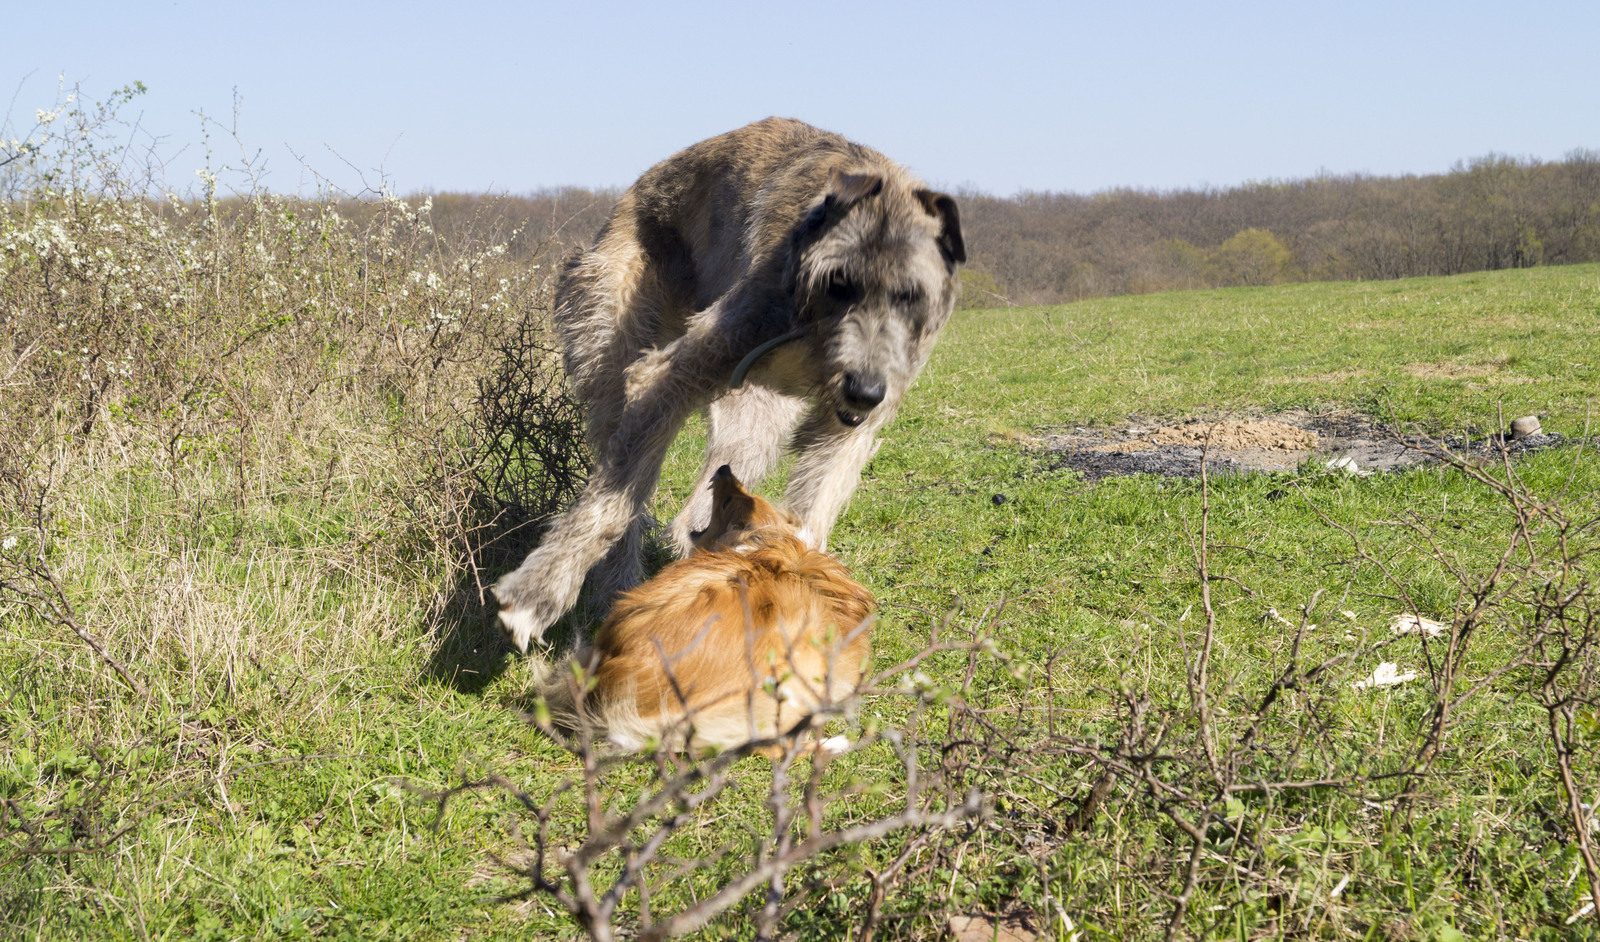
<point>1252,257</point>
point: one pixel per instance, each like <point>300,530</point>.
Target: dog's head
<point>740,517</point>
<point>872,268</point>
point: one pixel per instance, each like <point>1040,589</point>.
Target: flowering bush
<point>255,333</point>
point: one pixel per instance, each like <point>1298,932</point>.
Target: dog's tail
<point>561,685</point>
<point>576,707</point>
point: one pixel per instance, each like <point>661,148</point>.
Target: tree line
<point>1489,213</point>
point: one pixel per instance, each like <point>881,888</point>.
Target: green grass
<point>263,792</point>
<point>1525,338</point>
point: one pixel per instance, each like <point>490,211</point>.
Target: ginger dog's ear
<point>732,509</point>
<point>730,502</point>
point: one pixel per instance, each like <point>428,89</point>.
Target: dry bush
<point>198,362</point>
<point>617,845</point>
<point>1238,771</point>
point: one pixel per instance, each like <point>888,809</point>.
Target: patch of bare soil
<point>1238,435</point>
<point>1343,441</point>
<point>985,928</point>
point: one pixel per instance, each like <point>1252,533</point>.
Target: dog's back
<point>738,642</point>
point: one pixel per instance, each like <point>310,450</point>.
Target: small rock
<point>998,499</point>
<point>1525,427</point>
<point>1387,675</point>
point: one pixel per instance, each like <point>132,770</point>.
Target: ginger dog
<point>739,642</point>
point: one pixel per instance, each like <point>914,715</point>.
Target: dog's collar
<point>759,352</point>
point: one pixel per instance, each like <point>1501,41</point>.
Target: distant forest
<point>1041,248</point>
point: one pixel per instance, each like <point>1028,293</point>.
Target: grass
<point>1441,351</point>
<point>270,787</point>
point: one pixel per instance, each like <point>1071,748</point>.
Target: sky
<point>998,97</point>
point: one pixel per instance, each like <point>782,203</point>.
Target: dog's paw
<point>523,626</point>
<point>834,746</point>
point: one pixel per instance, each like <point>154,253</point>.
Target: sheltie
<point>740,642</point>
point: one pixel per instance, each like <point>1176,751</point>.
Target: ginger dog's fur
<point>739,642</point>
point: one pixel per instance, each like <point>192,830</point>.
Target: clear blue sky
<point>1001,96</point>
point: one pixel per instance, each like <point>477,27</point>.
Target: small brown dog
<point>739,642</point>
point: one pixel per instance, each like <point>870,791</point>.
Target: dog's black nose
<point>863,392</point>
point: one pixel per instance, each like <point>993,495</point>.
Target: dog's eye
<point>908,297</point>
<point>842,290</point>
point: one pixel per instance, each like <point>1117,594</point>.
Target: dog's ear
<point>724,481</point>
<point>732,508</point>
<point>943,208</point>
<point>847,189</point>
<point>844,191</point>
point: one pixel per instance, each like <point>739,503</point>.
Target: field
<point>250,691</point>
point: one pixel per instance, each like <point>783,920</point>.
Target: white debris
<point>1340,888</point>
<point>1387,675</point>
<point>1272,613</point>
<point>1345,463</point>
<point>1413,624</point>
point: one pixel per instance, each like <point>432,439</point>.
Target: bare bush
<point>611,849</point>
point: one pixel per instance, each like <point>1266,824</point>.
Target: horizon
<point>1028,98</point>
<point>1458,166</point>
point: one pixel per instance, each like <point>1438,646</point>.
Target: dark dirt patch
<point>1344,441</point>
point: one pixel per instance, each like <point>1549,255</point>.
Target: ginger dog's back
<point>738,642</point>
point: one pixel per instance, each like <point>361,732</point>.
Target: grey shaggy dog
<point>810,274</point>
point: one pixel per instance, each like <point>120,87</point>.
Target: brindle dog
<point>787,280</point>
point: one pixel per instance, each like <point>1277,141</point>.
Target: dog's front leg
<point>662,388</point>
<point>828,462</point>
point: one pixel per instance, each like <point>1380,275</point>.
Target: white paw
<point>834,746</point>
<point>522,626</point>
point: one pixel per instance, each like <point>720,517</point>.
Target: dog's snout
<point>863,392</point>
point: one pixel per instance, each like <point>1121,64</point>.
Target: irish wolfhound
<point>809,274</point>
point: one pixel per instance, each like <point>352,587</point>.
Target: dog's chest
<point>789,369</point>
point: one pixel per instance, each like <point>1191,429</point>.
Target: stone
<point>1525,427</point>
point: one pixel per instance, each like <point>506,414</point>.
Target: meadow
<point>259,458</point>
